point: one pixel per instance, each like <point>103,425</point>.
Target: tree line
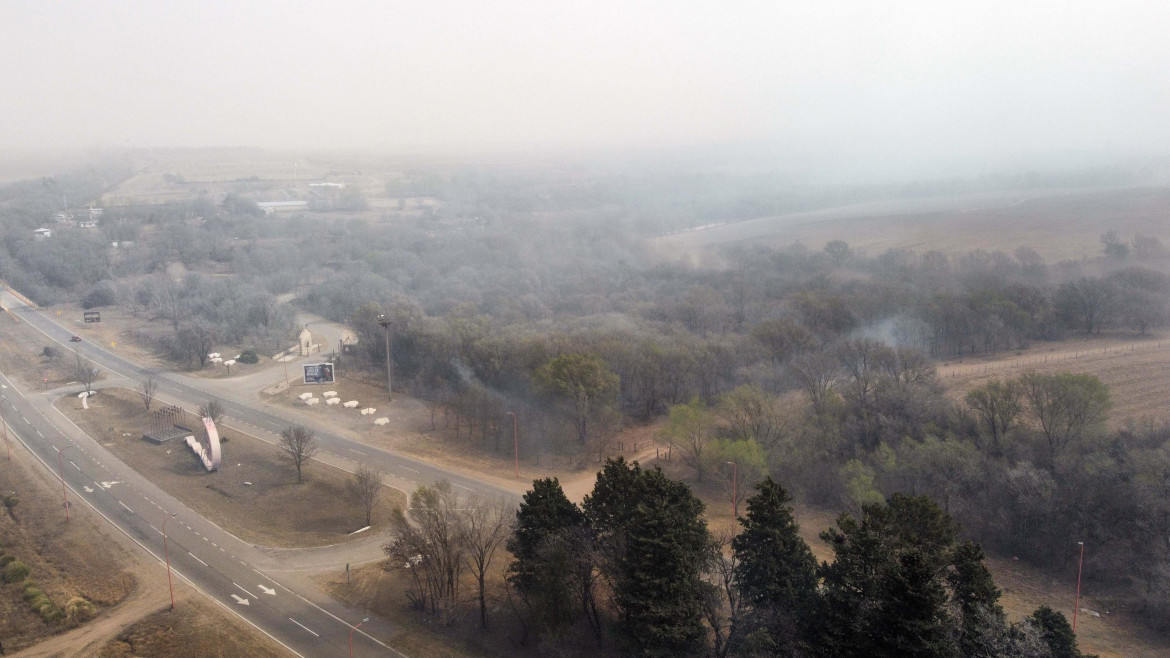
<point>634,569</point>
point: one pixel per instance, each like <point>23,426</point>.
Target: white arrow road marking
<point>107,485</point>
<point>87,489</point>
<point>240,600</point>
<point>300,624</point>
<point>247,592</point>
<point>268,590</point>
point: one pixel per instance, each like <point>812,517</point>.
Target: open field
<point>254,496</point>
<point>1059,226</point>
<point>1137,371</point>
<point>172,175</point>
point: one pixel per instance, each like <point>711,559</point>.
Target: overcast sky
<point>880,80</point>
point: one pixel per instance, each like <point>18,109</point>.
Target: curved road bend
<point>215,562</point>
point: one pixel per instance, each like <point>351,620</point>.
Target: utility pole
<point>167,553</point>
<point>515,443</point>
<point>384,321</point>
<point>61,472</point>
<point>1077,607</point>
<point>7,442</point>
<point>351,635</point>
<point>734,498</point>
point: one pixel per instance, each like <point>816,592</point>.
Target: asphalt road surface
<point>227,569</point>
<point>212,560</point>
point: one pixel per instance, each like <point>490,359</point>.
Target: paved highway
<point>212,560</point>
<point>227,569</point>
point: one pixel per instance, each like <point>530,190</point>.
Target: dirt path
<point>150,595</point>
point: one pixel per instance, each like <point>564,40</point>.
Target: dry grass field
<point>65,559</point>
<point>195,629</point>
<point>1137,371</point>
<point>1059,226</point>
<point>255,495</point>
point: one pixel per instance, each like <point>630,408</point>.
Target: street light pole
<point>61,473</point>
<point>351,635</point>
<point>1080,564</point>
<point>7,442</point>
<point>515,444</point>
<point>167,553</point>
<point>734,501</point>
<point>384,321</point>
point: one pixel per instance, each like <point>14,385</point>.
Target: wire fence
<point>1031,361</point>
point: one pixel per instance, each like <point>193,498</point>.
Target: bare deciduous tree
<point>484,526</point>
<point>364,489</point>
<point>722,605</point>
<point>299,445</point>
<point>85,372</point>
<point>818,374</point>
<point>146,389</point>
<point>426,543</point>
<point>167,300</point>
<point>214,410</point>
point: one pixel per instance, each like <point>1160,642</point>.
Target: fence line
<point>1017,363</point>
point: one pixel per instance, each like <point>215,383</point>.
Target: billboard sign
<point>319,373</point>
<point>93,316</point>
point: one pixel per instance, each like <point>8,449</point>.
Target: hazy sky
<point>896,80</point>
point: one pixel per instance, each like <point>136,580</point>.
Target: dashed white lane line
<point>197,559</point>
<point>463,487</point>
<point>75,465</point>
<point>408,469</point>
<point>359,452</point>
<point>246,592</point>
<point>303,626</point>
<point>127,507</point>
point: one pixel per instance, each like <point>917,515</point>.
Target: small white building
<point>305,340</point>
<point>42,233</point>
<point>270,207</point>
<point>87,223</point>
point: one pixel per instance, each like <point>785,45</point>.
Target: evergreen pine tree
<point>884,593</point>
<point>775,574</point>
<point>547,524</point>
<point>654,534</point>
